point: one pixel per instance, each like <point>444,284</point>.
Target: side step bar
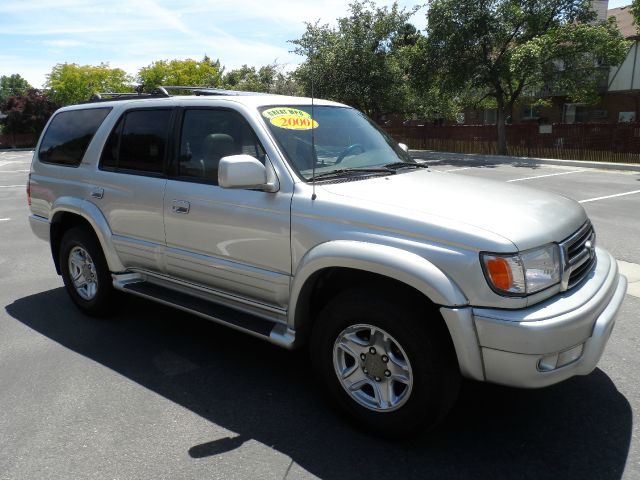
<point>269,330</point>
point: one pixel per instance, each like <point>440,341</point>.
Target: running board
<point>265,329</point>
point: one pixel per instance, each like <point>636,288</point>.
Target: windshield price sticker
<point>290,118</point>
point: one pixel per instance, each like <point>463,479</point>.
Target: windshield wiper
<point>347,172</point>
<point>399,165</point>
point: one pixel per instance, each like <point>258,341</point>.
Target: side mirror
<point>404,147</point>
<point>242,171</point>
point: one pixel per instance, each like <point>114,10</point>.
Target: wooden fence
<point>21,140</point>
<point>594,142</point>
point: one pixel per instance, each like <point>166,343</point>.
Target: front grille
<point>579,256</point>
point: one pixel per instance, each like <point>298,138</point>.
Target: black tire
<point>426,343</point>
<point>105,299</point>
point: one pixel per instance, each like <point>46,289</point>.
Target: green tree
<point>286,84</point>
<point>27,113</point>
<point>499,49</point>
<point>270,79</point>
<point>358,62</point>
<point>189,72</point>
<point>635,11</point>
<point>250,79</point>
<point>69,83</point>
<point>13,85</point>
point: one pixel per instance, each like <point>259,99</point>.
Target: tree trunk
<point>502,131</point>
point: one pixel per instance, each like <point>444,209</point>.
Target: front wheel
<point>390,367</point>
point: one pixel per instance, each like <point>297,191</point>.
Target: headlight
<point>523,273</point>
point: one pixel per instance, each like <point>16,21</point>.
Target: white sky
<point>129,34</point>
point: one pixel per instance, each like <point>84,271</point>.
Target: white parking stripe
<point>4,219</point>
<point>13,186</point>
<point>543,176</point>
<point>609,196</point>
<point>9,162</point>
<point>14,171</point>
<point>458,169</point>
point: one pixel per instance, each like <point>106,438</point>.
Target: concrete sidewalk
<point>632,272</point>
<point>470,159</point>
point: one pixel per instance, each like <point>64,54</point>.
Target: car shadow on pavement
<point>578,429</point>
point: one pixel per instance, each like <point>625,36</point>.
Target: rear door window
<point>69,134</point>
<point>139,142</point>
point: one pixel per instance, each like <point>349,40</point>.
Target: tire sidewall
<point>99,304</point>
<point>429,397</point>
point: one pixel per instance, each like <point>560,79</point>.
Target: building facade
<point>620,89</point>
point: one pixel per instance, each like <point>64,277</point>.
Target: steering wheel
<point>350,150</point>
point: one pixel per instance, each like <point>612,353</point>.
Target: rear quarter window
<point>69,134</point>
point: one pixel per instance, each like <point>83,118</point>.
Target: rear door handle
<point>180,206</point>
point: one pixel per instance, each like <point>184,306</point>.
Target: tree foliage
<point>359,61</point>
<point>11,85</point>
<point>248,78</point>
<point>502,49</point>
<point>189,72</point>
<point>27,113</point>
<point>270,79</point>
<point>635,11</point>
<point>69,83</point>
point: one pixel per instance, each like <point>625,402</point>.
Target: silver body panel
<point>132,206</point>
<point>255,250</point>
<point>232,240</point>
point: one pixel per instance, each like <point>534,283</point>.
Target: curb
<point>430,156</point>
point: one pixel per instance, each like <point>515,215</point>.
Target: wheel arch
<point>69,212</point>
<point>356,262</point>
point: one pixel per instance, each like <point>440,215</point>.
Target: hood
<point>525,216</point>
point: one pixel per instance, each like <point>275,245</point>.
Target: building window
<point>530,112</point>
<point>490,116</point>
<point>626,117</point>
<point>574,113</point>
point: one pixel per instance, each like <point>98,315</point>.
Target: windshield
<point>343,139</point>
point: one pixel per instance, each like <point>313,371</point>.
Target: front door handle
<point>180,206</point>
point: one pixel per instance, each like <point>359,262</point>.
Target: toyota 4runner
<point>300,222</point>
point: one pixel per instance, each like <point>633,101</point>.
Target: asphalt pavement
<point>155,393</point>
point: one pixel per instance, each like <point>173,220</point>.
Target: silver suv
<point>301,222</point>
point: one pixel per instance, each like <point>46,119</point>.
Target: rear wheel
<point>85,273</point>
<point>390,367</point>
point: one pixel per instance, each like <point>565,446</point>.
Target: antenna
<point>313,138</point>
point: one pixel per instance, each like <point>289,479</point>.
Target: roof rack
<point>163,92</point>
<point>204,91</point>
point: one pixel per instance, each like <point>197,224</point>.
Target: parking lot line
<point>12,186</point>
<point>543,176</point>
<point>609,196</point>
<point>458,169</point>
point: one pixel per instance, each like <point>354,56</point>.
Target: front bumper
<point>548,342</point>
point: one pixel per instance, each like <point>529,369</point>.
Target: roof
<point>624,20</point>
<point>254,101</point>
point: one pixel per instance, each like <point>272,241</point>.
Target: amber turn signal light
<point>499,271</point>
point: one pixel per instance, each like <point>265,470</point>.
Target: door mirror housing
<point>404,147</point>
<point>243,171</point>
